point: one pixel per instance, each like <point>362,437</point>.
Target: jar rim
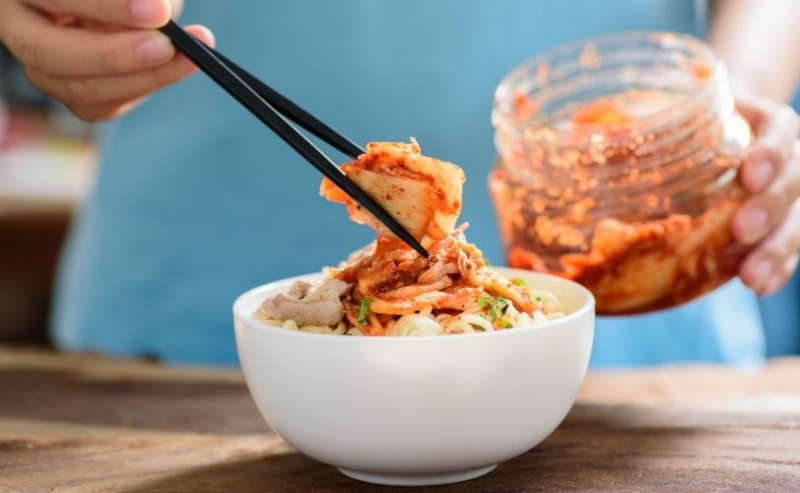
<point>707,93</point>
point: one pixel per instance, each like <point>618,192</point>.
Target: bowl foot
<point>429,479</point>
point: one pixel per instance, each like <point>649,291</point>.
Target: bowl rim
<point>587,306</point>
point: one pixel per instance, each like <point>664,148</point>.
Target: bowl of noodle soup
<point>433,409</point>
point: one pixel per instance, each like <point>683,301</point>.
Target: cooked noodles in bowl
<point>387,288</point>
<point>391,410</point>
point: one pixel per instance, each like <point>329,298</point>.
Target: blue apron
<point>197,202</point>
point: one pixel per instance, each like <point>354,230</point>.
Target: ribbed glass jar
<point>618,168</point>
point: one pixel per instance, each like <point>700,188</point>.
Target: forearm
<point>759,41</point>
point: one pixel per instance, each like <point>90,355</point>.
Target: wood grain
<point>84,423</point>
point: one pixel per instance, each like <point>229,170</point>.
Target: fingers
<point>104,112</point>
<point>771,173</point>
<point>772,264</point>
<point>763,211</point>
<point>780,278</point>
<point>128,13</point>
<point>101,90</point>
<point>773,149</point>
<point>107,97</point>
<point>754,109</point>
<point>82,91</point>
<point>69,52</point>
<point>103,70</point>
<point>177,8</point>
<point>202,33</point>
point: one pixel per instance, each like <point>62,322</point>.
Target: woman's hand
<point>99,57</point>
<point>770,219</point>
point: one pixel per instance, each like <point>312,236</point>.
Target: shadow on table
<point>182,406</point>
<point>595,448</point>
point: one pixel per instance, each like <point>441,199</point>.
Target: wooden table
<point>85,423</point>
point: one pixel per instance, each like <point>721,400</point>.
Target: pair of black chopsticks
<point>273,109</point>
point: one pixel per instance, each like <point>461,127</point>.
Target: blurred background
<point>47,164</point>
<point>47,161</point>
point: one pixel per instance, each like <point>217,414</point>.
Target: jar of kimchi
<point>618,168</point>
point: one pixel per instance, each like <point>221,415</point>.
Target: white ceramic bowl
<point>417,410</point>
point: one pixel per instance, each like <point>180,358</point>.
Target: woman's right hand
<point>101,58</point>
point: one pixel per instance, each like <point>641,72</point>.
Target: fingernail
<point>772,286</point>
<point>755,220</point>
<point>762,271</point>
<point>154,50</point>
<point>149,11</point>
<point>762,175</point>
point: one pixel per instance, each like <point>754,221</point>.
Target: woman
<point>196,201</point>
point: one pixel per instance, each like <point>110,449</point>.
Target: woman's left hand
<point>770,218</point>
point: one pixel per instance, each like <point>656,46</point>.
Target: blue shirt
<point>197,202</point>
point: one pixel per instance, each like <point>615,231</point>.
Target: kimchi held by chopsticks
<point>389,289</point>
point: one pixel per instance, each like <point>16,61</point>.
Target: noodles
<point>415,325</point>
<point>388,289</point>
<point>313,329</point>
<point>548,300</point>
<point>425,323</point>
<point>476,321</point>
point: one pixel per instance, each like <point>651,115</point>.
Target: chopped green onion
<point>364,310</point>
<point>520,282</point>
<point>494,305</point>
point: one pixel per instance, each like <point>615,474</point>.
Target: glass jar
<point>618,168</point>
